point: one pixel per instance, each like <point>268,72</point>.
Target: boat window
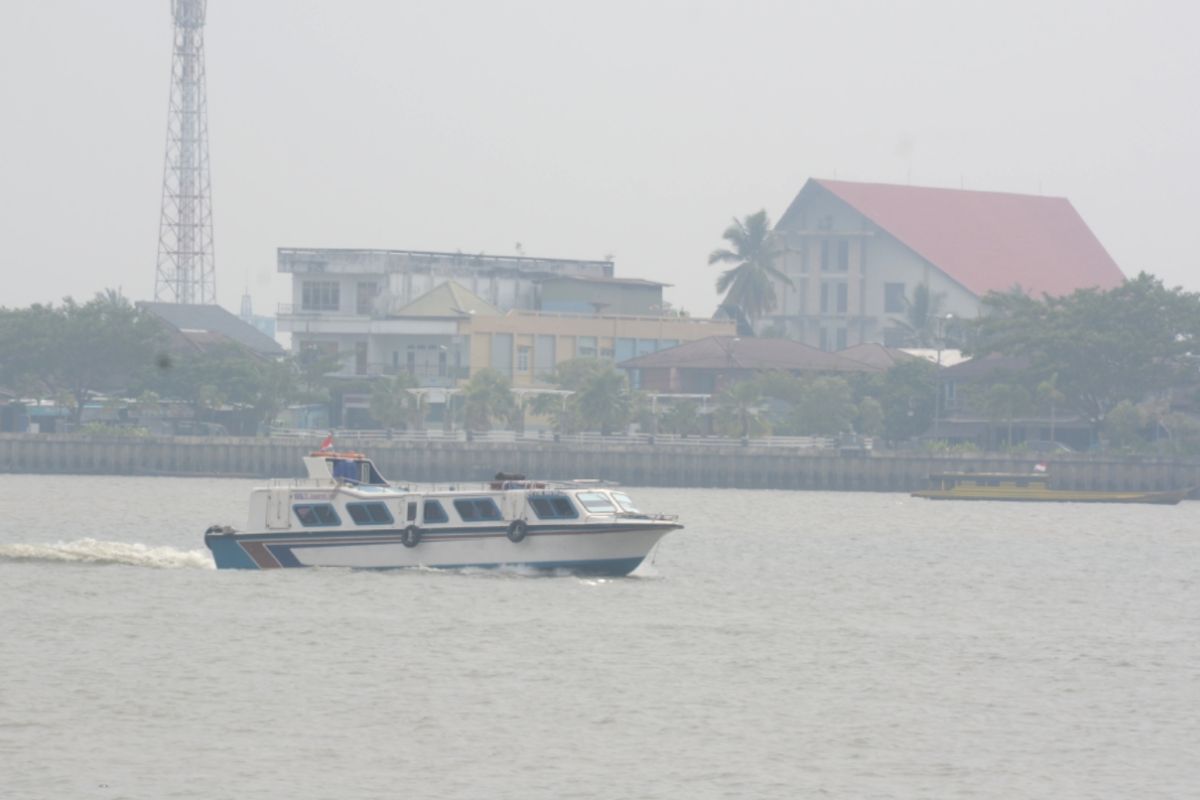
<point>553,506</point>
<point>412,512</point>
<point>625,503</point>
<point>434,512</point>
<point>369,513</point>
<point>596,503</point>
<point>315,515</point>
<point>475,509</point>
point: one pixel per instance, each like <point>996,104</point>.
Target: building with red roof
<point>856,253</point>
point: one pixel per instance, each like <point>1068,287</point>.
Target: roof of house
<point>876,355</point>
<point>449,299</point>
<point>736,353</point>
<point>203,325</point>
<point>986,241</point>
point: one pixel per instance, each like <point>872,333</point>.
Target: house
<point>710,364</point>
<point>442,337</point>
<point>195,328</point>
<point>857,253</point>
<point>442,316</point>
<point>963,414</point>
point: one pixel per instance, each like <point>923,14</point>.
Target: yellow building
<point>527,345</point>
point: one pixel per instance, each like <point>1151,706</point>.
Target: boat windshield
<point>625,503</point>
<point>596,502</point>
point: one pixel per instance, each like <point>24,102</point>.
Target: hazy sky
<point>579,129</point>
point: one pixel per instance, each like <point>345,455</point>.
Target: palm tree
<point>923,316</point>
<point>739,409</point>
<point>604,400</point>
<point>488,396</point>
<point>749,284</point>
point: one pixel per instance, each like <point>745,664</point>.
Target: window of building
<point>320,296</point>
<point>893,298</point>
<point>843,298</point>
<point>477,509</point>
<point>585,347</point>
<point>369,513</point>
<point>625,349</point>
<point>553,506</point>
<point>825,261</point>
<point>824,339</point>
<point>841,338</point>
<point>824,297</point>
<point>365,296</point>
<point>434,513</point>
<point>843,261</point>
<point>596,503</point>
<point>522,359</point>
<point>316,515</point>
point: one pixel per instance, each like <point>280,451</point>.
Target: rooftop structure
<point>199,327</point>
<point>856,254</point>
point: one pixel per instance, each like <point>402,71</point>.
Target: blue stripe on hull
<point>228,554</point>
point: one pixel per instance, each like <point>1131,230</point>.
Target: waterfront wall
<point>733,466</point>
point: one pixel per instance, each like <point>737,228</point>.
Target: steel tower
<point>185,231</point>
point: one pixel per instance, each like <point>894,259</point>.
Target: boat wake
<point>94,551</point>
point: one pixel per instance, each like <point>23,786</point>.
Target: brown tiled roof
<point>746,353</point>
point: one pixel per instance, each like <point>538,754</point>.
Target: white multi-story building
<point>856,253</point>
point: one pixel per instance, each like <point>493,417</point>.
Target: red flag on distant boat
<point>1040,467</point>
<point>327,442</point>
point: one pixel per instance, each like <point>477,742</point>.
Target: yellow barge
<point>1030,487</point>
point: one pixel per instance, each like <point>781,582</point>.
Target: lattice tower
<point>185,233</point>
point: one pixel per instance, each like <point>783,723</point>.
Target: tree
<point>395,405</point>
<point>227,374</point>
<point>1123,425</point>
<point>907,395</point>
<point>1004,402</point>
<point>869,420</point>
<point>825,406</point>
<point>488,398</point>
<point>603,399</point>
<point>923,317</point>
<point>739,410</point>
<point>681,419</point>
<point>78,349</point>
<point>1105,347</point>
<point>748,285</point>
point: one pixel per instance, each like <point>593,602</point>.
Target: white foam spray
<point>93,551</point>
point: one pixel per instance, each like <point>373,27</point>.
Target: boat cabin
<point>351,468</point>
<point>947,481</point>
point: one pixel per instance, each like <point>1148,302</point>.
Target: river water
<point>783,645</point>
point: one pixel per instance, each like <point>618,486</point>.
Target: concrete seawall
<point>739,467</point>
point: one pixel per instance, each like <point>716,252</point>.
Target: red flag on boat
<point>327,442</point>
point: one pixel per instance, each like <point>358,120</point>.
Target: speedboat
<point>345,514</point>
<point>1031,487</point>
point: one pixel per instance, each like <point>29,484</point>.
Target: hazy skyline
<point>637,130</point>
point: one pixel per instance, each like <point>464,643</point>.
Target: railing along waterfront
<point>587,437</point>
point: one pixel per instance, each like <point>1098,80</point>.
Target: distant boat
<point>1030,487</point>
<point>345,514</point>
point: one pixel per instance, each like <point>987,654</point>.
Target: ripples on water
<point>784,645</point>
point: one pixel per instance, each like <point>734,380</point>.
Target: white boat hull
<point>616,549</point>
